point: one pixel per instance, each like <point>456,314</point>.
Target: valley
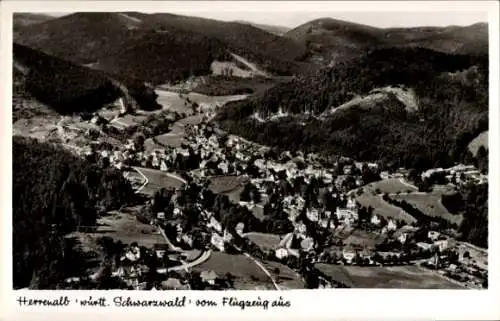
<point>199,155</point>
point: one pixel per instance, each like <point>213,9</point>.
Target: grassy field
<point>168,139</point>
<point>383,208</point>
<point>247,274</point>
<point>363,239</point>
<point>258,212</point>
<point>150,145</point>
<point>158,179</point>
<point>480,140</point>
<point>429,204</point>
<point>124,227</point>
<point>240,266</point>
<point>265,241</point>
<point>398,277</point>
<point>286,278</point>
<point>172,101</point>
<point>213,101</point>
<point>225,184</point>
<point>389,186</point>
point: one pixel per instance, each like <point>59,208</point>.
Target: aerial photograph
<point>170,151</point>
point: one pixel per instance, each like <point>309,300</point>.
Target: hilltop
<point>155,41</point>
<point>277,30</point>
<point>329,40</point>
<point>425,113</point>
<point>22,19</point>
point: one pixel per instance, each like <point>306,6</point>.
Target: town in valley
<point>135,173</point>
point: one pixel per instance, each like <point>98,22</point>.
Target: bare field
<point>383,208</point>
<point>429,204</point>
<point>397,277</point>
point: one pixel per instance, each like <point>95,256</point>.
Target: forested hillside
<point>451,109</point>
<point>70,88</point>
<point>158,48</point>
<point>331,41</point>
<point>54,193</point>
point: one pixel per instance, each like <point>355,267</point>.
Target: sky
<point>292,16</point>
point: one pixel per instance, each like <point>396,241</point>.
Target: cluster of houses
<point>458,175</point>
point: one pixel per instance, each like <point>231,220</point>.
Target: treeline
<point>70,88</point>
<point>54,193</point>
<point>471,202</point>
<point>451,113</point>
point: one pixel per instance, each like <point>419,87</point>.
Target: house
<point>312,215</point>
<point>208,277</point>
<point>441,244</point>
<point>281,253</point>
<point>433,235</point>
<point>174,284</point>
<point>351,204</point>
<point>163,166</point>
<point>424,246</point>
<point>160,215</point>
<point>307,244</point>
<point>177,212</point>
<point>402,238</point>
<point>213,223</point>
<point>375,220</point>
<point>324,223</point>
<point>286,242</point>
<point>217,241</point>
<point>133,254</point>
<point>240,227</point>
<point>187,239</point>
<point>301,228</point>
<point>160,250</point>
<point>391,226</point>
<point>227,236</point>
<point>348,255</point>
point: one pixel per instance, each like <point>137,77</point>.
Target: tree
<point>139,141</point>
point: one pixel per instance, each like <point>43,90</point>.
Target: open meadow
<point>158,179</point>
<point>122,227</point>
<point>383,208</point>
<point>248,275</point>
<point>265,241</point>
<point>397,277</point>
<point>390,186</point>
<point>429,204</point>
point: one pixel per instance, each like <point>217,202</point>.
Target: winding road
<point>146,180</point>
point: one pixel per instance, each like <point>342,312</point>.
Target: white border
<point>306,304</point>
